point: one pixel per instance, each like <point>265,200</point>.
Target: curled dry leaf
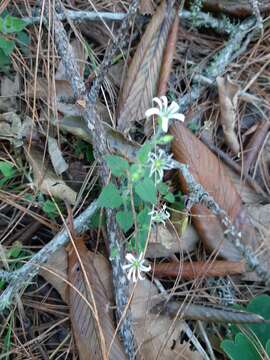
<point>92,323</point>
<point>46,180</point>
<point>198,269</point>
<point>57,159</point>
<point>142,77</point>
<point>228,94</point>
<point>166,241</point>
<point>206,312</point>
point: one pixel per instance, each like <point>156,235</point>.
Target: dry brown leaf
<point>91,336</point>
<point>141,82</point>
<point>228,95</point>
<point>151,331</point>
<point>57,159</point>
<point>210,173</point>
<point>55,272</point>
<point>158,337</point>
<point>46,180</point>
<point>164,241</point>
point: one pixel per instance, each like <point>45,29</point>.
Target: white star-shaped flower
<point>160,216</point>
<point>160,161</point>
<point>135,267</point>
<point>165,112</point>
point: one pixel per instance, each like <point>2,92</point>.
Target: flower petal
<point>180,117</point>
<point>125,267</point>
<point>131,271</point>
<point>145,268</point>
<point>165,124</point>
<point>158,101</point>
<point>130,257</point>
<point>134,276</point>
<point>165,102</point>
<point>140,276</point>
<point>151,112</point>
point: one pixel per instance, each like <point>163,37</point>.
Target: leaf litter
<point>38,114</point>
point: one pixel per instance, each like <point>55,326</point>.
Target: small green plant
<point>139,187</point>
<point>11,34</point>
<point>7,172</point>
<point>251,341</point>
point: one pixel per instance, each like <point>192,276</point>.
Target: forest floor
<point>134,179</point>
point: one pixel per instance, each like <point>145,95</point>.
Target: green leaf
<point>7,45</point>
<point>4,61</point>
<point>12,24</point>
<point>165,139</point>
<point>169,197</point>
<point>125,220</point>
<point>144,151</point>
<point>141,238</point>
<point>6,169</point>
<point>163,188</point>
<point>97,220</point>
<point>241,348</point>
<point>117,164</point>
<point>84,150</point>
<point>50,209</point>
<point>15,251</point>
<point>267,348</point>
<point>146,190</point>
<point>261,305</point>
<point>23,40</point>
<point>110,197</point>
<point>143,218</point>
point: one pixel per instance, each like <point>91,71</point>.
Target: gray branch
<point>99,139</point>
<point>235,46</point>
<point>202,19</point>
<point>19,279</point>
<point>197,194</point>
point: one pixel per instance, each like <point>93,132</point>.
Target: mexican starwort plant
<point>140,188</point>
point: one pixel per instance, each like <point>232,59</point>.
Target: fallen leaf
<point>210,173</point>
<point>155,335</point>
<point>13,129</point>
<point>46,181</point>
<point>93,328</point>
<point>158,337</point>
<point>58,162</point>
<point>56,274</point>
<point>142,77</point>
<point>228,95</point>
<point>165,241</point>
